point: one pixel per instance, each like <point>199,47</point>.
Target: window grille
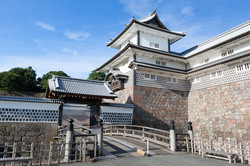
<point>172,80</point>
<point>155,45</point>
<point>216,74</point>
<point>28,115</point>
<point>224,54</point>
<point>162,63</point>
<point>117,118</point>
<point>230,52</point>
<point>243,67</point>
<point>152,77</point>
<point>197,80</point>
<point>206,60</point>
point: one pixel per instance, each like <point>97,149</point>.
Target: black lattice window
<point>28,115</point>
<point>117,118</point>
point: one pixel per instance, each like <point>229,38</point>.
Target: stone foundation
<point>156,107</point>
<point>221,111</point>
<point>27,132</point>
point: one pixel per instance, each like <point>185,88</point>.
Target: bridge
<point>128,143</point>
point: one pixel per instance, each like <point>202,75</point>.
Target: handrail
<point>154,135</point>
<point>150,128</point>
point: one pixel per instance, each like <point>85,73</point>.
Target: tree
<point>94,75</point>
<point>18,79</point>
<point>27,78</point>
<point>44,80</point>
<point>9,82</point>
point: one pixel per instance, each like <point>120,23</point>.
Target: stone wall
<point>221,111</point>
<point>27,132</point>
<point>156,107</point>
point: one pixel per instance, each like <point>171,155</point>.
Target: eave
<point>155,67</point>
<point>142,24</point>
<point>130,45</point>
<point>84,95</point>
<point>218,45</point>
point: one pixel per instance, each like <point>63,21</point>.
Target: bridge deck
<point>120,147</point>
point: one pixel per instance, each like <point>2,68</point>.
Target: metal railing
<point>157,136</point>
<point>40,153</point>
<point>242,151</point>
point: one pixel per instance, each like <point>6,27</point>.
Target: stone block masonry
<point>156,107</point>
<point>221,111</point>
<point>27,132</point>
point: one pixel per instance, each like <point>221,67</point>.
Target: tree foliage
<point>24,80</point>
<point>94,75</point>
<point>44,80</point>
<point>9,81</point>
<point>18,79</point>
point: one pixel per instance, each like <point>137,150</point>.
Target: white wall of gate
<point>113,113</point>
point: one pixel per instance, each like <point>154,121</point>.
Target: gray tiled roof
<point>118,105</point>
<point>83,87</point>
<point>28,99</point>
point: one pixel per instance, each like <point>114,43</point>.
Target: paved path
<point>120,147</point>
<point>121,151</point>
<point>161,160</point>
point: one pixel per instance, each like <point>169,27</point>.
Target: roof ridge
<point>79,79</point>
<point>214,38</point>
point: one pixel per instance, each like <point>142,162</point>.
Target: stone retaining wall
<point>27,132</point>
<point>156,107</point>
<point>221,111</point>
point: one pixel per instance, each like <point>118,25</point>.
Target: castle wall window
<point>243,67</point>
<point>172,80</point>
<point>155,45</point>
<point>229,52</point>
<point>150,76</point>
<point>224,54</point>
<point>161,63</point>
<point>216,74</point>
<point>206,60</point>
<point>197,80</point>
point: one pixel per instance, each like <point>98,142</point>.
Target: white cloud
<point>76,66</point>
<point>69,51</point>
<point>187,10</point>
<point>176,17</point>
<point>45,26</point>
<point>77,36</point>
<point>139,8</point>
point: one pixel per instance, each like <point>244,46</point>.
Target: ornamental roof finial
<point>155,10</point>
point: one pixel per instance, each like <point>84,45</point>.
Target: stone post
<point>69,140</point>
<point>191,136</point>
<point>100,136</point>
<point>98,130</point>
<point>190,130</point>
<point>172,137</point>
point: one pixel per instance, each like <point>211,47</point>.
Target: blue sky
<point>71,35</point>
